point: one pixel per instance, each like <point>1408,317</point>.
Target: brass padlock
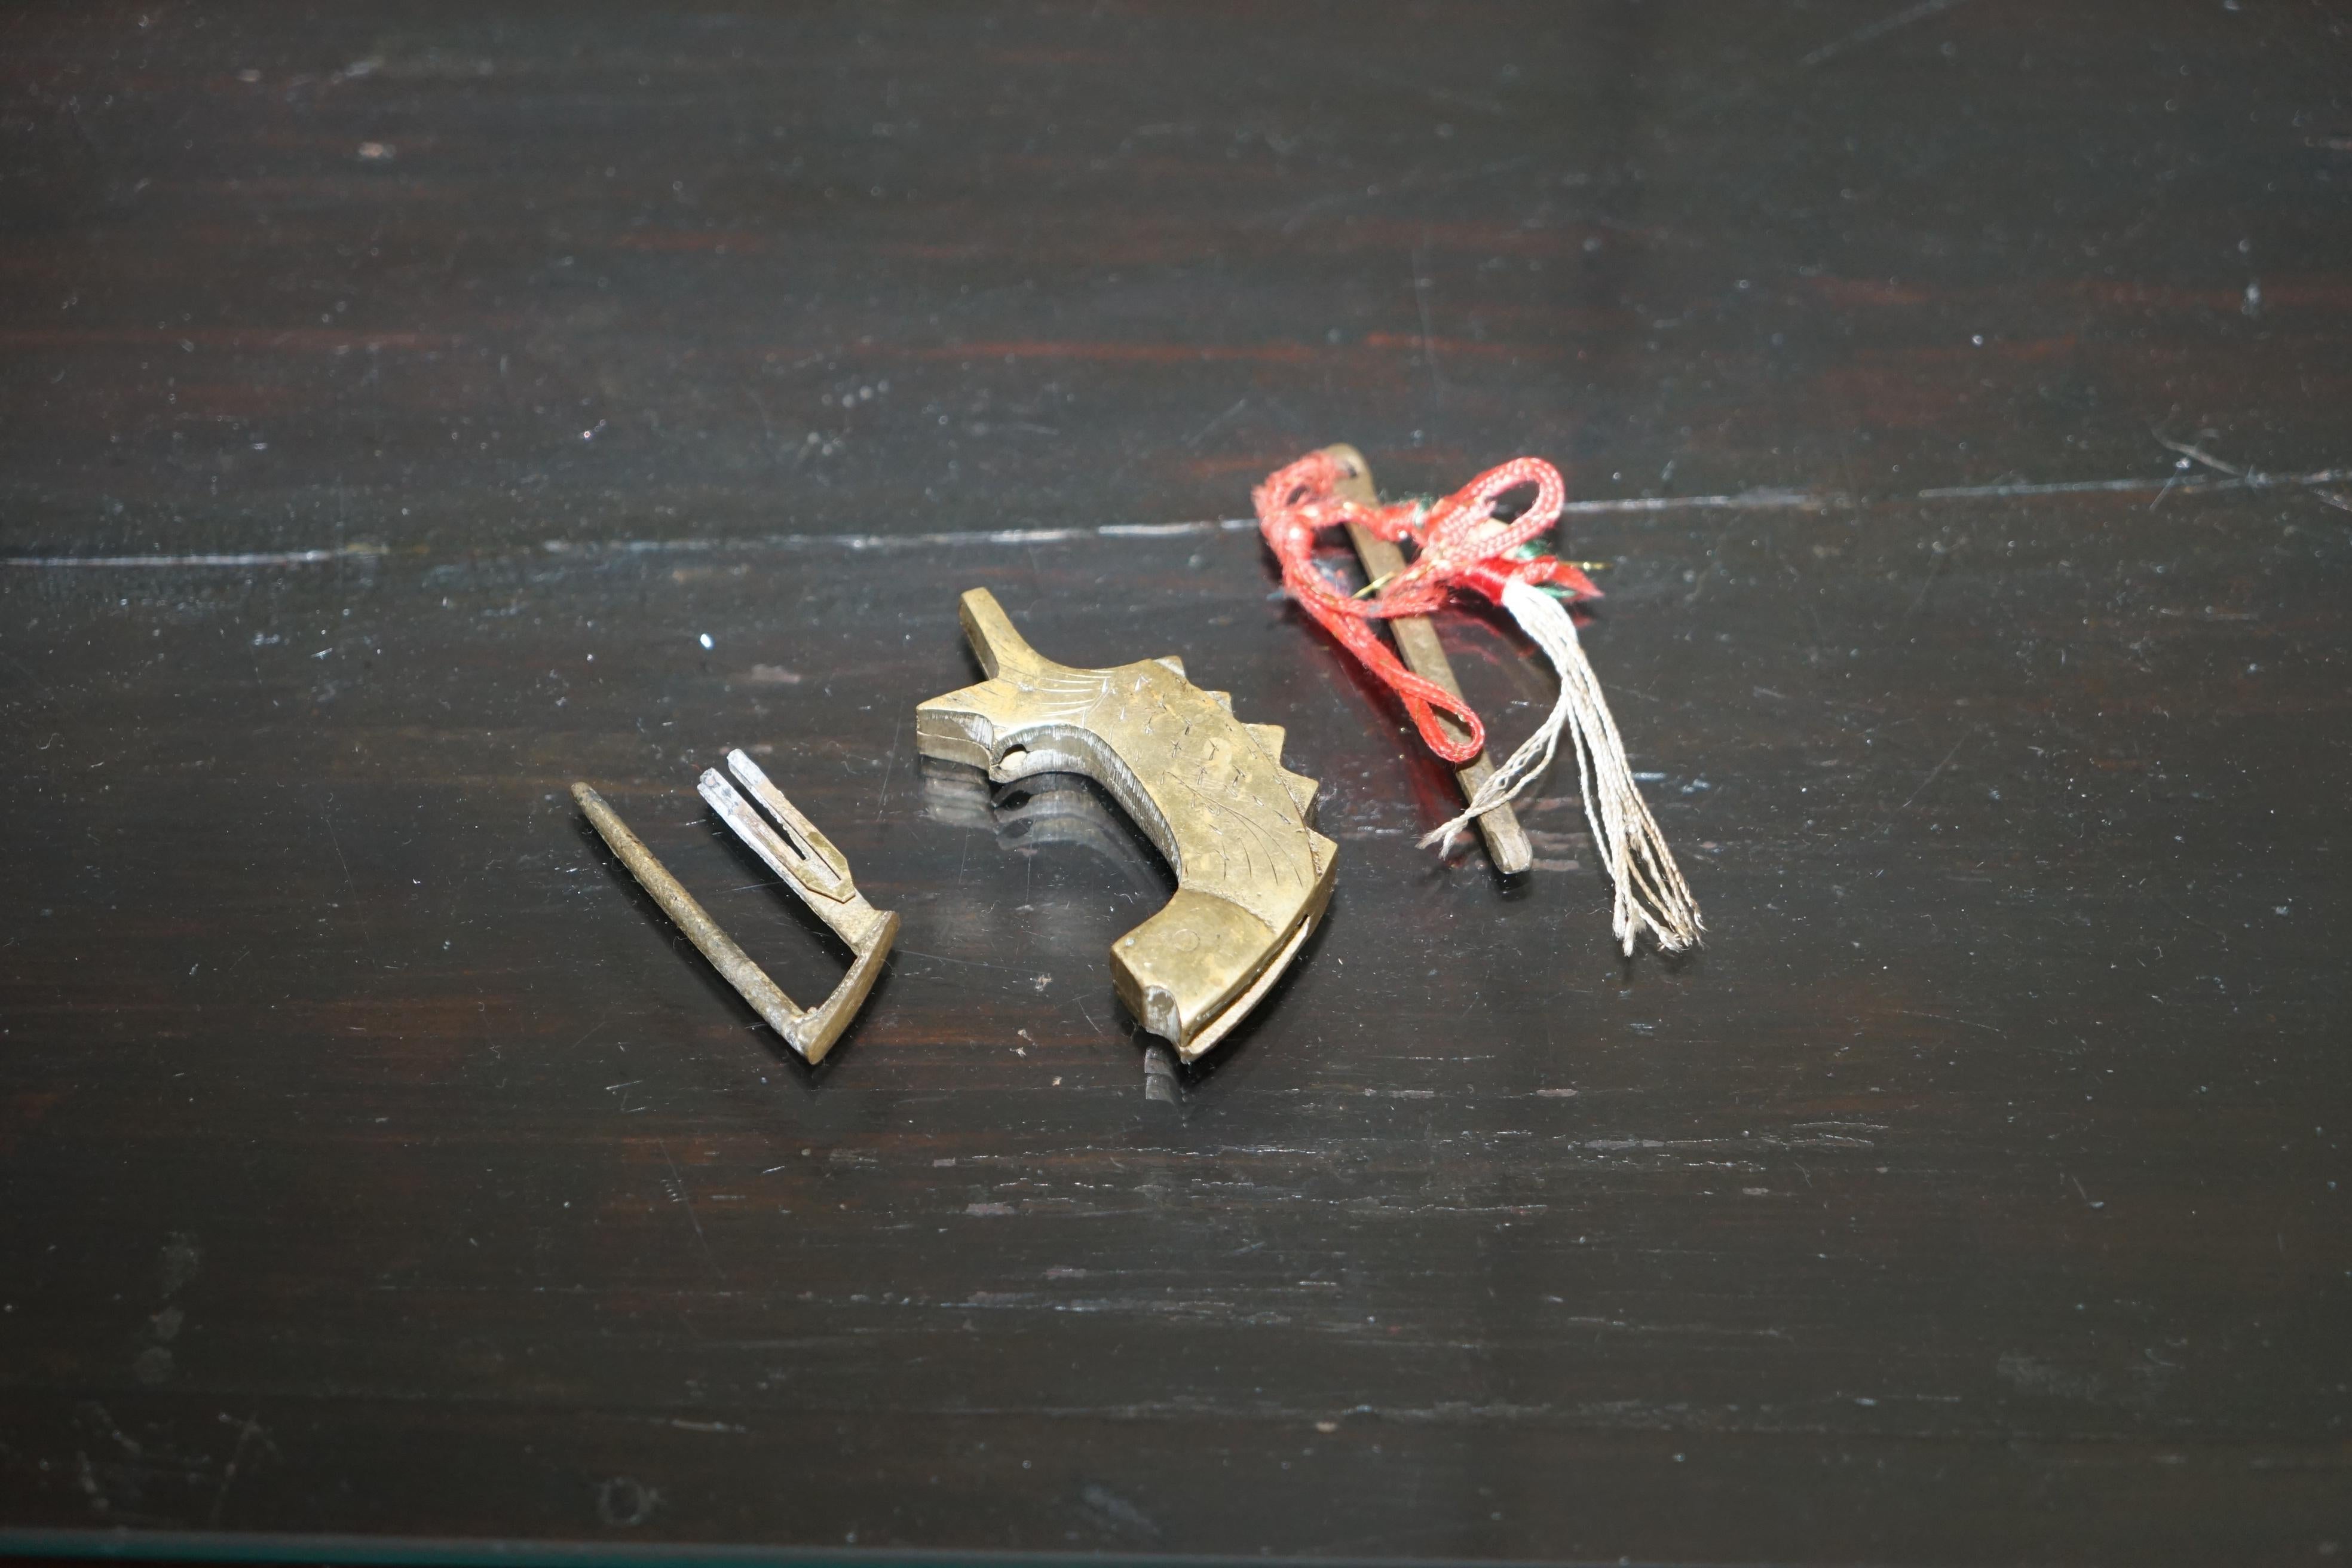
<point>1252,875</point>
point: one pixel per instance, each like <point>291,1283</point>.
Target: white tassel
<point>1650,890</point>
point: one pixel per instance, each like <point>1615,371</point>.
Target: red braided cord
<point>1458,542</point>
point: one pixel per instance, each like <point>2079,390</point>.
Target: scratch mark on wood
<point>1421,287</point>
<point>1878,30</point>
<point>1203,433</point>
<point>2127,487</point>
<point>888,768</point>
<point>2198,454</point>
<point>247,1430</point>
<point>1945,1018</point>
<point>2321,480</point>
<point>677,1191</point>
<point>251,558</point>
<point>1933,772</point>
<point>359,910</point>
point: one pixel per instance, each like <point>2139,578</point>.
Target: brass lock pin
<point>809,866</point>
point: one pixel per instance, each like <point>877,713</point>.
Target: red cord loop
<point>1458,542</point>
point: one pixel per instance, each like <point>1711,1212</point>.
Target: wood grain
<point>394,399</point>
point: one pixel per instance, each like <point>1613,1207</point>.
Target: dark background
<point>392,398</point>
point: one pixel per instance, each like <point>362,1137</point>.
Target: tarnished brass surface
<point>809,864</point>
<point>1417,644</point>
<point>1251,874</point>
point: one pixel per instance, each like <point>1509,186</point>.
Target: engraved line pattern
<point>1203,757</point>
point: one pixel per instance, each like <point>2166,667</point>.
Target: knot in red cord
<point>1459,540</point>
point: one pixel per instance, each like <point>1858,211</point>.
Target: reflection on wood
<point>371,1165</point>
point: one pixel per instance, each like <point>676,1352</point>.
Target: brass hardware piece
<point>1417,644</point>
<point>1210,792</point>
<point>809,864</point>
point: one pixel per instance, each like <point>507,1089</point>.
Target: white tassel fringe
<point>1650,890</point>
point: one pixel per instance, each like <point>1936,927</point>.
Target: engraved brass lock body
<point>1252,875</point>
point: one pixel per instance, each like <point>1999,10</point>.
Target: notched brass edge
<point>1243,904</point>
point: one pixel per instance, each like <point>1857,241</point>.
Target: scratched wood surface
<point>395,399</point>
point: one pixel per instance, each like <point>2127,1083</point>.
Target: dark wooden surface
<point>377,1161</point>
